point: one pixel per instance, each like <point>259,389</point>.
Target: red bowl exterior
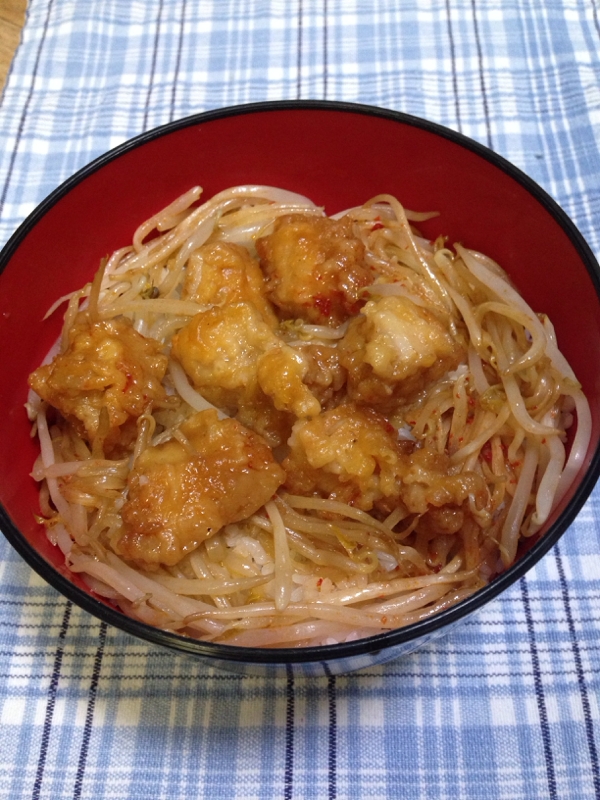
<point>339,155</point>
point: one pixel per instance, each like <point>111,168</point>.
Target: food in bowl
<point>267,427</point>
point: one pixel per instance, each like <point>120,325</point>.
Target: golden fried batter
<point>107,364</point>
<point>348,454</point>
<point>353,454</point>
<point>220,347</point>
<point>240,365</point>
<point>221,273</point>
<point>325,376</point>
<point>393,350</point>
<point>280,374</point>
<point>432,482</point>
<point>315,268</point>
<point>179,496</point>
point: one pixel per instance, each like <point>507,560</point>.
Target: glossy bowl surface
<point>339,155</point>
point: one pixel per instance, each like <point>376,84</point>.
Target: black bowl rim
<point>379,642</point>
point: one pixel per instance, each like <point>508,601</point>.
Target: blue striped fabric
<point>506,706</point>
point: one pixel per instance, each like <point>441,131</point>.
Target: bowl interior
<point>337,155</point>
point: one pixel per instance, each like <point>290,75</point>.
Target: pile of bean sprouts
<point>311,570</point>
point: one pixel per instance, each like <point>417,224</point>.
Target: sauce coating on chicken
<point>106,365</point>
<point>315,268</point>
<point>182,492</point>
<point>348,454</point>
<point>353,454</point>
<point>324,374</point>
<point>221,273</point>
<point>395,349</point>
<point>239,364</point>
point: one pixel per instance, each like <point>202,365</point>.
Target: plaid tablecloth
<point>506,706</point>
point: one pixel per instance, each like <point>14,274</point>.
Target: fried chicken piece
<point>395,349</point>
<point>433,482</point>
<point>106,365</point>
<point>353,454</point>
<point>280,374</point>
<point>221,347</point>
<point>239,364</point>
<point>314,267</point>
<point>221,273</point>
<point>348,454</point>
<point>181,495</point>
<point>325,376</point>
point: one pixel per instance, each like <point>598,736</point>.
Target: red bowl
<point>339,155</point>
